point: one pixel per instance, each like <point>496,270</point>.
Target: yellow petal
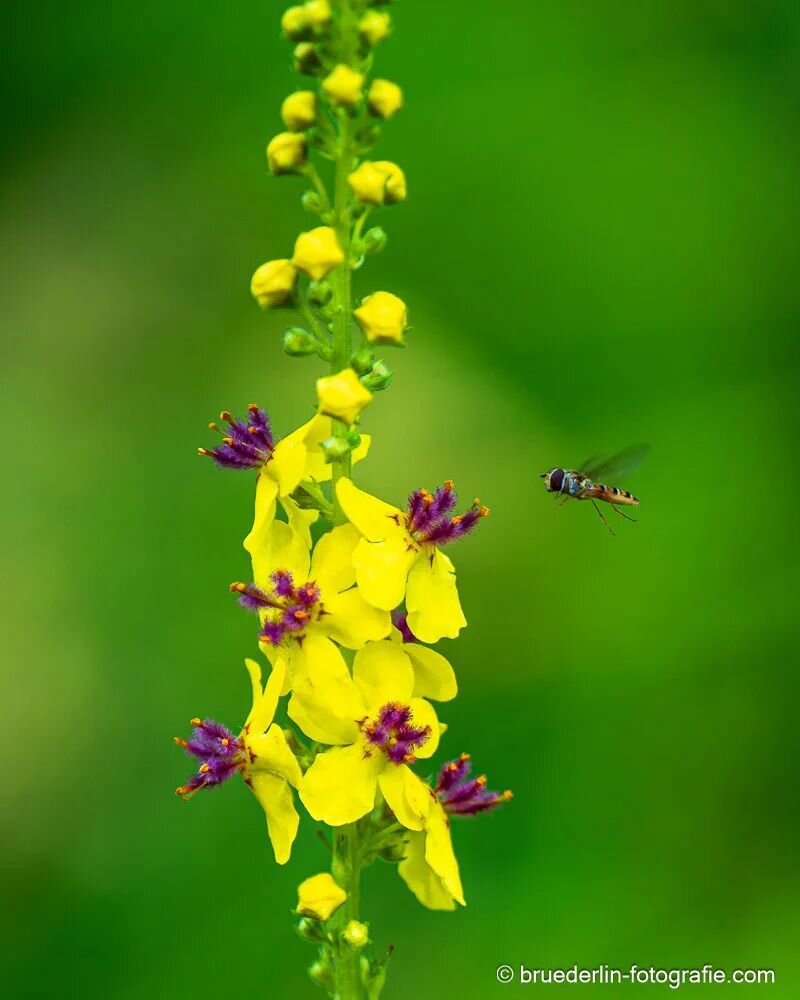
<point>300,520</point>
<point>423,714</point>
<point>271,752</point>
<point>332,561</point>
<point>383,673</point>
<point>319,896</point>
<point>275,798</point>
<point>439,852</point>
<point>288,461</point>
<point>434,677</point>
<point>406,795</point>
<point>352,622</point>
<point>375,519</point>
<point>266,492</point>
<point>340,785</point>
<point>282,548</point>
<point>382,570</point>
<point>434,610</point>
<point>325,702</point>
<point>264,702</point>
<point>420,878</point>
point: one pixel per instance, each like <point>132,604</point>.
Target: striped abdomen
<point>610,494</point>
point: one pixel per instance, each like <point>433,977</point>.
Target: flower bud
<point>362,361</point>
<point>378,183</point>
<point>294,23</point>
<point>375,240</point>
<point>306,60</point>
<point>322,974</point>
<point>299,110</point>
<point>375,26</point>
<point>353,438</point>
<point>319,293</point>
<point>317,252</point>
<point>298,342</point>
<point>343,86</point>
<point>384,98</point>
<point>379,378</point>
<point>383,318</point>
<point>394,851</point>
<point>356,934</point>
<point>311,930</point>
<point>318,13</point>
<point>286,153</point>
<point>334,448</point>
<point>273,283</point>
<point>342,396</point>
<point>311,202</point>
<point>319,896</point>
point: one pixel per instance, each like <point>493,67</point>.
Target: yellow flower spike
<point>319,897</point>
<point>318,13</point>
<point>299,110</point>
<point>383,318</point>
<point>375,26</point>
<point>273,283</point>
<point>294,22</point>
<point>343,86</point>
<point>356,934</point>
<point>342,396</point>
<point>384,98</point>
<point>378,182</point>
<point>286,153</point>
<point>317,252</point>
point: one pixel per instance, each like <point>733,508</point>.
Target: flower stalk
<point>350,592</point>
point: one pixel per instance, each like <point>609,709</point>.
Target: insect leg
<point>623,514</point>
<point>602,518</point>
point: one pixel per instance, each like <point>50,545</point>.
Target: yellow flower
<point>383,318</point>
<point>430,869</point>
<point>319,897</point>
<point>273,283</point>
<point>299,110</point>
<point>318,13</point>
<point>306,603</point>
<point>317,252</point>
<point>294,22</point>
<point>384,98</point>
<point>343,86</point>
<point>378,182</point>
<point>260,754</point>
<point>356,934</point>
<point>375,26</point>
<point>377,726</point>
<point>286,152</point>
<point>399,555</point>
<point>342,396</point>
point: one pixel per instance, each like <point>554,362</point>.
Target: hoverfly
<point>588,484</point>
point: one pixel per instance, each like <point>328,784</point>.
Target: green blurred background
<point>600,247</point>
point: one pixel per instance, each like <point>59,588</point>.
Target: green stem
<point>347,873</point>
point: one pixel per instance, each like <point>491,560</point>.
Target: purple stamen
<point>282,583</point>
<point>400,620</point>
<point>428,519</point>
<point>393,734</point>
<point>220,753</point>
<point>289,609</point>
<point>462,797</point>
<point>247,444</point>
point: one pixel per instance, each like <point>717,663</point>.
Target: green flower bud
<point>334,448</point>
<point>311,930</point>
<point>306,59</point>
<point>375,240</point>
<point>322,974</point>
<point>298,342</point>
<point>353,438</point>
<point>319,293</point>
<point>393,852</point>
<point>378,379</point>
<point>311,202</point>
<point>362,361</point>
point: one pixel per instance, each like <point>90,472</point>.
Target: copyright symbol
<point>504,973</point>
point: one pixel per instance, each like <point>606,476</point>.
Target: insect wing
<point>619,467</point>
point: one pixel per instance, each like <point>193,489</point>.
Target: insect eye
<point>556,480</point>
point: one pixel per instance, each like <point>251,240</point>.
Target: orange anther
<point>195,721</point>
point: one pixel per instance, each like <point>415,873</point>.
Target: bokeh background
<point>600,247</point>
